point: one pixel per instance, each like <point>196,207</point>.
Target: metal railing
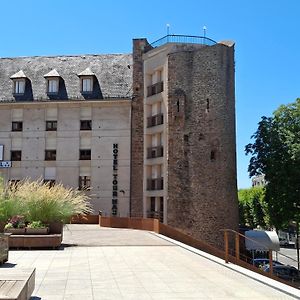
<point>155,88</point>
<point>154,184</point>
<point>153,152</point>
<point>183,39</point>
<point>240,257</point>
<point>155,120</point>
<point>155,215</point>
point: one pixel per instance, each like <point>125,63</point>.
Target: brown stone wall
<point>137,130</point>
<point>202,193</point>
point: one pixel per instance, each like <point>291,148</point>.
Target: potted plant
<point>16,225</point>
<point>37,227</point>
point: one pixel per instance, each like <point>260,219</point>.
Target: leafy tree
<point>253,208</point>
<point>276,153</point>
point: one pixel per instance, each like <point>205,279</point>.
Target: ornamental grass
<point>39,201</point>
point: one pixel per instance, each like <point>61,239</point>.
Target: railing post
<point>237,246</point>
<point>226,245</point>
<point>271,261</point>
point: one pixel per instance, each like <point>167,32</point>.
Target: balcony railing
<point>181,39</point>
<point>155,88</point>
<point>155,120</point>
<point>155,215</point>
<point>154,184</point>
<point>154,152</point>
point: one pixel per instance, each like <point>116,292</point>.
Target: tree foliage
<point>253,208</point>
<point>276,153</point>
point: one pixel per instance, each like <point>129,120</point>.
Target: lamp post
<point>297,241</point>
<point>297,236</point>
<point>168,32</point>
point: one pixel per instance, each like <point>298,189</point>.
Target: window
<point>86,85</point>
<point>13,181</point>
<point>212,155</point>
<point>17,126</point>
<point>52,86</point>
<point>19,86</point>
<point>13,184</point>
<point>50,154</point>
<point>1,152</point>
<point>51,125</point>
<point>15,155</point>
<point>86,125</point>
<point>84,182</point>
<point>85,154</point>
<point>49,182</point>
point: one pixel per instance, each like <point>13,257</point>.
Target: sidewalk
<point>130,264</point>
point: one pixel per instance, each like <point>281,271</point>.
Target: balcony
<point>155,184</point>
<point>181,39</point>
<point>155,88</point>
<point>156,215</point>
<point>155,120</point>
<point>153,152</point>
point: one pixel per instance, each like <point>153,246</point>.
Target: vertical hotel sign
<point>115,153</point>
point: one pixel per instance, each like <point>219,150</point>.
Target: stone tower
<point>186,92</point>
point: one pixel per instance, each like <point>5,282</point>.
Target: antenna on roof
<point>168,29</point>
<point>204,31</point>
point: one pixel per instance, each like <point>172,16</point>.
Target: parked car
<point>261,262</point>
<point>284,272</point>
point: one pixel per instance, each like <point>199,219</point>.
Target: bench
<point>35,241</point>
<point>16,284</point>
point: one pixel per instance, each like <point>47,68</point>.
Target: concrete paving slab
<point>131,264</point>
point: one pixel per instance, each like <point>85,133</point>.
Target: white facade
<point>110,125</point>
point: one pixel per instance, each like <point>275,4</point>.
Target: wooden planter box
<point>35,241</point>
<point>3,248</point>
<point>37,230</point>
<point>14,230</point>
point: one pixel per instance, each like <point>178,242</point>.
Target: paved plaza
<point>107,263</point>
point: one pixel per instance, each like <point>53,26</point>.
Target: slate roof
<point>112,76</point>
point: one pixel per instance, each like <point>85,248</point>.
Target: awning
<point>260,240</point>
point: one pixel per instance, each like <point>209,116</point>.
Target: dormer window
<point>86,81</point>
<point>87,86</point>
<point>19,86</point>
<point>52,86</point>
<point>52,82</point>
<point>19,83</point>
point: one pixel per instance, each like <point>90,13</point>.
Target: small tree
<point>276,153</point>
<point>253,208</point>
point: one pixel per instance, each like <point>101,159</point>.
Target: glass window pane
<point>86,85</point>
<point>19,86</point>
<point>52,86</point>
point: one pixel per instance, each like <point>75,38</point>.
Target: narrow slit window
<point>207,105</point>
<point>212,155</point>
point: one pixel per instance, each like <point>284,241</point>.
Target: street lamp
<point>297,236</point>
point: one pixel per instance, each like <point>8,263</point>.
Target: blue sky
<point>266,34</point>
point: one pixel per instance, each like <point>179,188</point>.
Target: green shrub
<point>9,205</point>
<point>36,224</point>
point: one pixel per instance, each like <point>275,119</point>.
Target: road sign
<point>5,164</point>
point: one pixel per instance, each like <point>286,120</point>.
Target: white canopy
<point>260,240</point>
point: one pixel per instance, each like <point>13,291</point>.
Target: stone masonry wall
<point>202,192</point>
<point>137,130</point>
